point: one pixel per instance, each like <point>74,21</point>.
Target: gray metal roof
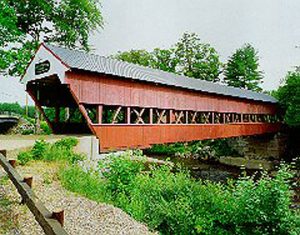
<point>100,64</point>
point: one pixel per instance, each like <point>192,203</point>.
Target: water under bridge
<point>130,106</point>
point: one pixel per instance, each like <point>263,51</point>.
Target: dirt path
<point>82,216</point>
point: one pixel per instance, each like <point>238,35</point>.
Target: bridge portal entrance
<point>58,106</point>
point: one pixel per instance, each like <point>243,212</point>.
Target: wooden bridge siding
<point>141,136</point>
<point>100,89</point>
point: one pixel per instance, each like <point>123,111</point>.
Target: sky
<point>271,26</point>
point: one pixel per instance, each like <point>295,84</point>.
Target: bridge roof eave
<point>63,60</point>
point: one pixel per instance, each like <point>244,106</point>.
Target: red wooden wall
<point>89,88</point>
<point>100,89</point>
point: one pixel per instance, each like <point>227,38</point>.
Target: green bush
<point>61,150</point>
<point>161,199</point>
<point>174,203</point>
<point>120,172</point>
<point>67,143</point>
<point>39,149</point>
<point>45,128</point>
<point>168,149</point>
<point>24,157</point>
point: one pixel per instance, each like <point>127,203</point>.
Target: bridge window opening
<point>219,118</point>
<point>140,115</point>
<point>206,118</point>
<point>66,114</point>
<point>228,118</point>
<point>193,117</point>
<point>179,117</point>
<point>160,116</point>
<point>91,111</point>
<point>259,118</point>
<point>237,118</point>
<point>113,115</point>
<point>246,118</point>
<point>253,118</point>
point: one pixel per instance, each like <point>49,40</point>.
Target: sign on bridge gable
<point>44,64</point>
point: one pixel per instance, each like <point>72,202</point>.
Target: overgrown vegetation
<point>172,202</point>
<point>61,150</point>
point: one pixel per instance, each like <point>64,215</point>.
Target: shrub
<point>45,128</point>
<point>24,157</point>
<point>36,153</point>
<point>168,149</point>
<point>120,172</point>
<point>174,203</point>
<point>61,150</point>
<point>39,149</point>
<point>161,199</point>
<point>66,143</point>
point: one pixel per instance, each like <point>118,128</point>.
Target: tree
<point>141,57</point>
<point>8,21</point>
<point>242,69</point>
<point>289,98</point>
<point>187,57</point>
<point>196,59</point>
<point>164,59</point>
<point>24,24</point>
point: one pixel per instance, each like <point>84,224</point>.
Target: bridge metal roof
<point>95,63</point>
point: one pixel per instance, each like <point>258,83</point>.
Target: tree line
<point>193,58</point>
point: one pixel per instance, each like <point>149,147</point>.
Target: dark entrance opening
<point>58,106</point>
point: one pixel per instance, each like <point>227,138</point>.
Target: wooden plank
<point>40,212</point>
<point>117,137</point>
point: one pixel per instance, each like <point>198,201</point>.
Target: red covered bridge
<point>130,106</point>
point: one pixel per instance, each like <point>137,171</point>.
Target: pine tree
<point>242,69</point>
